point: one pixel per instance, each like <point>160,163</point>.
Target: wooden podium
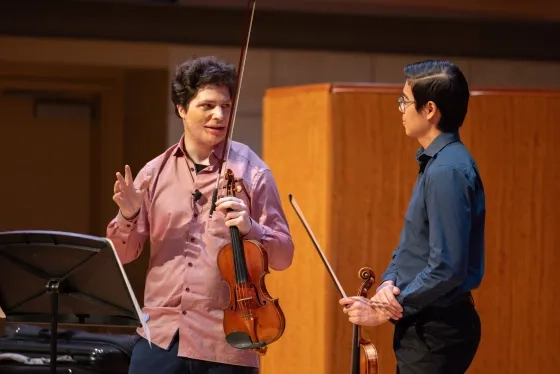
<point>341,150</point>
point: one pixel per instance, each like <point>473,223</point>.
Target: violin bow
<point>355,360</point>
<point>231,122</point>
<point>316,243</point>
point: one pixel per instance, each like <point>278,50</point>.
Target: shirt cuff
<point>126,225</point>
<point>255,233</point>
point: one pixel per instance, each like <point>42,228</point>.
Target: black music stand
<point>78,278</point>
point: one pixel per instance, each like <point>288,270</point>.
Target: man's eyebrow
<point>210,101</point>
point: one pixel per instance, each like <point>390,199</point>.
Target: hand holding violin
<point>237,213</point>
<point>360,311</point>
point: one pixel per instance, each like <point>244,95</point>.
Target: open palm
<point>127,196</point>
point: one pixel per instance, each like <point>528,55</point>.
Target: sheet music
<point>131,293</point>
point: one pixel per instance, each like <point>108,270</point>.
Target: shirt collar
<point>215,156</point>
<point>440,142</point>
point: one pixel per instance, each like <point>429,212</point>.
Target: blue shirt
<point>441,250</point>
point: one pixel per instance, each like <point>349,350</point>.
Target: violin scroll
<point>368,276</point>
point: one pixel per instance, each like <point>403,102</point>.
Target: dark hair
<point>197,72</point>
<point>443,83</point>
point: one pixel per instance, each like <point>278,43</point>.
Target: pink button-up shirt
<point>184,288</point>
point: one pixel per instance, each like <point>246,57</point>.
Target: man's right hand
<point>127,196</point>
<point>385,301</point>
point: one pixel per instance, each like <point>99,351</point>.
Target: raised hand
<point>127,196</point>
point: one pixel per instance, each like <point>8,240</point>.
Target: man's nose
<point>218,112</point>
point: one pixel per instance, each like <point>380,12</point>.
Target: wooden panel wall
<point>374,170</point>
<point>352,169</point>
<point>297,146</point>
<point>132,139</point>
<point>514,136</point>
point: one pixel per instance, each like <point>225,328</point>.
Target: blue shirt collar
<point>440,142</point>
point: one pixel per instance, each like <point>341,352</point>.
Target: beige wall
<point>270,68</point>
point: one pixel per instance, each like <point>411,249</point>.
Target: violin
<point>364,354</point>
<point>253,319</point>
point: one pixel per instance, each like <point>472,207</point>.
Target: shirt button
<point>195,215</point>
<point>124,242</point>
<point>192,169</point>
<point>184,312</point>
<point>192,238</point>
<point>128,225</point>
<point>187,289</point>
<point>190,264</point>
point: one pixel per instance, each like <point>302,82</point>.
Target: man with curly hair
<point>169,203</point>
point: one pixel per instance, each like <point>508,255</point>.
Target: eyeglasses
<point>404,103</point>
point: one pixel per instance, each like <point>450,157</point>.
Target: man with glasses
<point>425,290</point>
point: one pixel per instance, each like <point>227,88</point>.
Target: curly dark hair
<point>198,72</point>
<point>443,83</point>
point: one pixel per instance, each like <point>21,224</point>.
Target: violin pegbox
<point>232,184</point>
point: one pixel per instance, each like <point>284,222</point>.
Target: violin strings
<point>238,263</point>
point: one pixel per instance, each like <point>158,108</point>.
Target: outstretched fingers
<point>128,175</point>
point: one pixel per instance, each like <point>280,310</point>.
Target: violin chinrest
<point>242,340</point>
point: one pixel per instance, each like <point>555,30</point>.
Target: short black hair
<point>198,72</point>
<point>443,83</point>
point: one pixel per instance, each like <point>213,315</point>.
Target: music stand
<point>75,277</point>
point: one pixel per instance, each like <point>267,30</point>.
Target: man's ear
<point>431,110</point>
<point>181,110</point>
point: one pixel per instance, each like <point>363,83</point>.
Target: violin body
<point>253,318</point>
<point>368,358</point>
